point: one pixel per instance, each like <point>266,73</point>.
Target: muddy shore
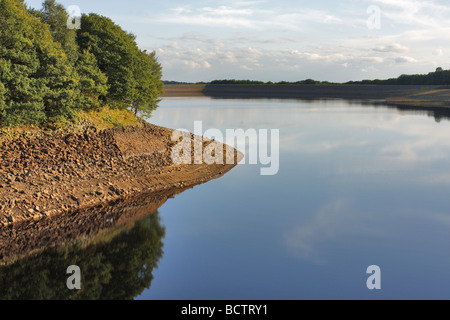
<point>54,174</point>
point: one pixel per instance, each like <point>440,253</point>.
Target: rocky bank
<point>50,174</point>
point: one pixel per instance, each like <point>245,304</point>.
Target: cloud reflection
<point>330,223</point>
<point>323,128</point>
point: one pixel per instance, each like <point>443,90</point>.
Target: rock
<point>60,172</point>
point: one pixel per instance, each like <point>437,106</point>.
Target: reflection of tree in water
<point>437,112</point>
<point>117,269</point>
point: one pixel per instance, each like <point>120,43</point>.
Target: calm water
<point>358,185</point>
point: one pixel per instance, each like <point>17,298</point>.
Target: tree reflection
<point>115,267</point>
<point>438,113</point>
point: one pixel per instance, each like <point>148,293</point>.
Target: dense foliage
<point>48,72</point>
<point>134,76</point>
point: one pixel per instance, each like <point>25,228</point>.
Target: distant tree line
<point>174,82</point>
<point>438,77</point>
<point>48,71</point>
<point>254,82</point>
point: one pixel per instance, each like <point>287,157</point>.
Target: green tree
<point>93,82</point>
<point>147,85</point>
<point>134,76</point>
<point>114,50</point>
<point>48,71</point>
<point>56,16</point>
<point>39,84</point>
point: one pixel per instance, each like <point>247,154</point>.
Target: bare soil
<point>54,174</point>
<point>179,90</point>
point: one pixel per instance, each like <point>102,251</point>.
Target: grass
<point>107,118</point>
<point>101,119</point>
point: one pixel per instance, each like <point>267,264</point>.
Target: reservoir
<point>358,184</point>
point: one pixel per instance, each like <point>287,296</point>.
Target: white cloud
<point>394,47</point>
<point>226,11</point>
<point>405,59</point>
<point>221,16</point>
<point>299,42</point>
<point>415,13</point>
<point>249,15</point>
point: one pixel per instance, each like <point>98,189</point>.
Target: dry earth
<point>53,174</point>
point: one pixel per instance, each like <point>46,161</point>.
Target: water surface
<point>358,185</point>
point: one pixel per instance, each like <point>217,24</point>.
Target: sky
<point>284,40</point>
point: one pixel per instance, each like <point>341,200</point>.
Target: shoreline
<point>51,175</point>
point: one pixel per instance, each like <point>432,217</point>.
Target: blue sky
<point>285,39</point>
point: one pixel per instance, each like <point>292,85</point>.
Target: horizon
<point>273,82</point>
<point>286,40</point>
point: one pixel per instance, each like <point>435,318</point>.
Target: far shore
<point>181,90</point>
<point>406,95</point>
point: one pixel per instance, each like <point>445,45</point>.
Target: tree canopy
<point>34,70</point>
<point>49,72</point>
<point>134,76</point>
